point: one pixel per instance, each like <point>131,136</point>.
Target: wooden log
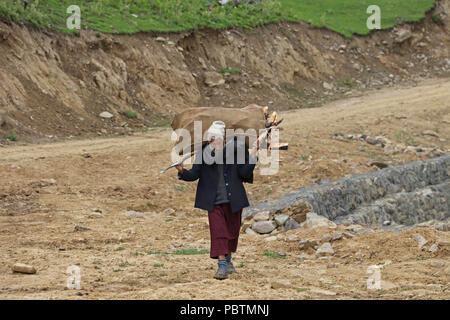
<point>280,146</point>
<point>23,268</point>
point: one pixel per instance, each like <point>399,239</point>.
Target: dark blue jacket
<point>234,174</point>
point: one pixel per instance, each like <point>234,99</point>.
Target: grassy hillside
<point>128,16</point>
<point>349,16</point>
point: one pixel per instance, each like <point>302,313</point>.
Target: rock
<point>23,268</point>
<point>371,140</point>
<point>263,227</point>
<point>291,224</point>
<point>169,211</point>
<point>281,284</point>
<point>160,39</point>
<point>4,34</point>
<point>304,256</point>
<point>379,164</point>
<point>306,244</point>
<point>133,214</point>
<point>214,79</point>
<point>80,229</point>
<point>299,217</point>
<point>47,182</point>
<point>437,264</point>
<point>95,215</point>
<point>325,250</point>
<point>262,216</point>
<point>271,238</point>
<point>292,237</point>
<point>386,223</point>
<point>106,115</point>
<point>313,220</point>
<point>348,235</point>
<point>421,240</point>
<point>434,248</point>
<point>281,219</point>
<point>430,133</point>
<point>336,236</point>
<point>403,35</point>
<point>245,226</point>
<point>327,86</point>
<point>443,226</point>
<point>356,228</point>
<point>326,238</point>
<point>250,232</point>
<point>323,292</point>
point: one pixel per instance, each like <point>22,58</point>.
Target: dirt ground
<point>78,218</point>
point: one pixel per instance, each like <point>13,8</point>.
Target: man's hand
<point>180,168</point>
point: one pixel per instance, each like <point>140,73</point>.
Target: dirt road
<point>59,208</point>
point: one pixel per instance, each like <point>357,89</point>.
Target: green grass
<point>12,136</point>
<point>190,251</point>
<point>180,252</point>
<point>124,264</point>
<point>157,253</point>
<point>349,16</point>
<point>273,255</point>
<point>180,188</point>
<point>436,18</point>
<point>230,71</point>
<point>130,16</point>
<point>346,83</point>
<point>130,114</point>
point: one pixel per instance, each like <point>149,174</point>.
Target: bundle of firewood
<point>251,117</point>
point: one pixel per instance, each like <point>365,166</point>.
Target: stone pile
<point>389,147</point>
<point>406,195</point>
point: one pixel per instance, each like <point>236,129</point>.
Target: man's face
<point>217,143</point>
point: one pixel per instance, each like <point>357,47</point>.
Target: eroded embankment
<point>57,85</point>
<point>407,195</point>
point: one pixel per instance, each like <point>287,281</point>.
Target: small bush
<point>131,114</point>
<point>230,71</point>
<point>273,255</point>
<point>12,136</point>
<point>436,18</point>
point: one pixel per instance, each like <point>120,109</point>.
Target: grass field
<point>129,16</point>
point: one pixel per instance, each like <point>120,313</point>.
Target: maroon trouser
<point>224,227</point>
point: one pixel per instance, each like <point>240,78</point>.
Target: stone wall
<point>407,194</point>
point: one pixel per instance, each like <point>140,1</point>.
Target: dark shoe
<point>230,268</point>
<point>221,274</point>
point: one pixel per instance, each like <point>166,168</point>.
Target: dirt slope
<point>40,219</point>
<point>57,85</point>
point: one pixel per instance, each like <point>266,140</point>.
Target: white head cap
<point>217,130</point>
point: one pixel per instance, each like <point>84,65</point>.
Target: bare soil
<point>123,257</point>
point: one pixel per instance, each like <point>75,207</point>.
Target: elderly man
<point>221,192</point>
